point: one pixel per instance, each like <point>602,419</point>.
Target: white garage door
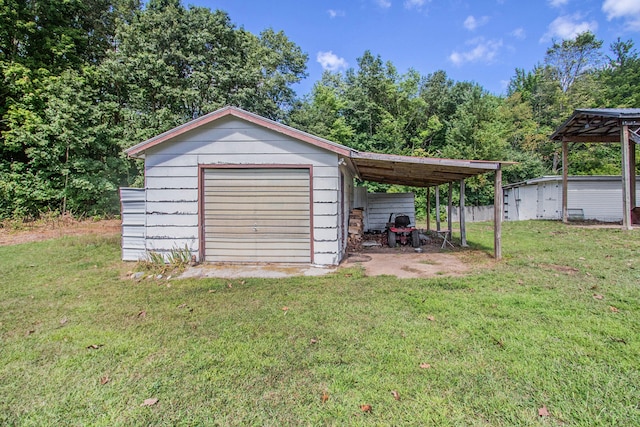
<point>257,215</point>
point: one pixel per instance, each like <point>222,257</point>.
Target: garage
<point>257,214</point>
<point>235,187</point>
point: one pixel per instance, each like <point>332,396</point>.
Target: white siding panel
<point>133,254</point>
<point>170,171</point>
<point>324,209</point>
<point>133,219</point>
<point>325,196</point>
<point>329,247</point>
<point>168,220</point>
<point>325,221</point>
<point>169,232</point>
<point>325,171</point>
<point>326,183</point>
<point>172,207</point>
<point>179,182</point>
<point>172,195</point>
<point>172,244</point>
<point>325,234</point>
<point>133,222</point>
<point>326,259</point>
<point>133,231</point>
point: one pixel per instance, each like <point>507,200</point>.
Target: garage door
<point>257,215</point>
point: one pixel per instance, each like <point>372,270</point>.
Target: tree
<point>620,79</point>
<point>571,59</point>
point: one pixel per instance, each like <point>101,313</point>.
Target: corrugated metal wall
<point>132,212</point>
<point>378,206</point>
<point>589,197</point>
<point>257,215</point>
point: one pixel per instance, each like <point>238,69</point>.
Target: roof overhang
<point>598,125</point>
<point>417,171</point>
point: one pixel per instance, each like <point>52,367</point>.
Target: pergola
<point>604,125</point>
<point>431,172</point>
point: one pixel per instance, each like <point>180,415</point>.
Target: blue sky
<point>472,40</point>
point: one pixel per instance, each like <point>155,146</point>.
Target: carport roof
<point>596,125</point>
<point>417,171</point>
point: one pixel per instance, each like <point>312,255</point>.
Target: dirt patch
<point>407,265</point>
<point>45,230</point>
<point>559,268</point>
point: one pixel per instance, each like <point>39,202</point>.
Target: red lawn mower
<point>400,231</point>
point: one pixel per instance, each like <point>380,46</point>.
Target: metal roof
<point>417,171</point>
<point>376,167</point>
<point>597,125</point>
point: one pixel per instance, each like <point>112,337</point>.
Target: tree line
<point>82,80</point>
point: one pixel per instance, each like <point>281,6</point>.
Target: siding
<point>378,206</point>
<point>132,212</point>
<point>171,171</point>
<point>597,197</point>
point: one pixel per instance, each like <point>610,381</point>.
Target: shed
<point>604,125</point>
<point>232,186</point>
<point>590,197</point>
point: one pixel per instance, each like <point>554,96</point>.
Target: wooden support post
<point>565,181</point>
<point>497,215</point>
<point>428,208</point>
<point>626,179</point>
<point>463,223</point>
<point>437,208</point>
<point>632,172</point>
<point>450,210</point>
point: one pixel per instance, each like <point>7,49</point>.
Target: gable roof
<point>376,167</point>
<point>139,149</point>
<point>596,124</point>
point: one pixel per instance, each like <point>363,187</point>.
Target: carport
<point>604,125</point>
<point>432,172</point>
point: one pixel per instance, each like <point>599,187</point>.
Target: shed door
<point>257,215</point>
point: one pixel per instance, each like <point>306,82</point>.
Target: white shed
<point>590,197</point>
<point>232,186</point>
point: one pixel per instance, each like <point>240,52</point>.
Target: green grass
<point>504,341</point>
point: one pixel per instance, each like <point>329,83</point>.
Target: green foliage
<point>83,80</point>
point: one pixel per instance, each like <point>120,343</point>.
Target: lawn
<point>548,336</point>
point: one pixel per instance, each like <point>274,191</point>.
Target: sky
<point>483,41</point>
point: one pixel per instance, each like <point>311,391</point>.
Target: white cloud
<point>385,4</point>
<point>482,51</point>
<point>333,13</point>
<point>519,33</point>
<point>414,4</point>
<point>471,23</point>
<point>628,10</point>
<point>330,61</point>
<point>558,3</point>
<point>568,27</point>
